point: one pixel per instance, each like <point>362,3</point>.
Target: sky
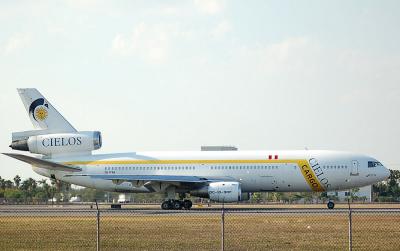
<point>175,75</point>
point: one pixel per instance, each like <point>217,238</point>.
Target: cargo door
<point>354,167</point>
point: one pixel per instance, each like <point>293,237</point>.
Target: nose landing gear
<point>176,204</point>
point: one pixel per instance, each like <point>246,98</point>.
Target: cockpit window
<point>374,164</point>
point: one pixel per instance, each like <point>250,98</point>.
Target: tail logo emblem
<point>41,113</point>
<point>39,109</point>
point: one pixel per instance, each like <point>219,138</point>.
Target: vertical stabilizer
<point>42,114</point>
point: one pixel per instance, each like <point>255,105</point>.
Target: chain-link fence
<point>291,229</point>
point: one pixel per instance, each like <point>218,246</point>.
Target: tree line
<point>49,191</point>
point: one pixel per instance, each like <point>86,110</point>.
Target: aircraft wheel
<point>331,204</point>
<point>166,205</point>
<point>187,204</point>
<point>177,205</point>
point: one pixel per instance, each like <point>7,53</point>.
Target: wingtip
<point>9,154</point>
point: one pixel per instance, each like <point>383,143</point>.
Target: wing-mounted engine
<point>56,143</point>
<point>223,191</point>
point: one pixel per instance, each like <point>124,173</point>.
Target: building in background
<point>360,194</point>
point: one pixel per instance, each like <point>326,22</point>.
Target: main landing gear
<point>330,204</point>
<point>176,204</point>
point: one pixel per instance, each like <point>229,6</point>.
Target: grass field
<point>266,231</point>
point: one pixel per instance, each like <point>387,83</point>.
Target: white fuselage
<point>284,171</point>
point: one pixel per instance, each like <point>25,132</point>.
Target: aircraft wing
<point>158,178</point>
<point>43,163</point>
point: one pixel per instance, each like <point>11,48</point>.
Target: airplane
<point>63,153</point>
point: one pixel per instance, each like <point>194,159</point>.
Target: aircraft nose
<point>386,173</point>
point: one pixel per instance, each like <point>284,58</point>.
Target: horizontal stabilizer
<point>43,163</point>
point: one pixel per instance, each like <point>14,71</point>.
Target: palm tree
<point>17,180</point>
<point>8,184</point>
<point>28,187</point>
<point>2,184</point>
<point>42,182</point>
<point>25,189</point>
<point>46,189</point>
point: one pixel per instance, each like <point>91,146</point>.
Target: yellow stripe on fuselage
<point>309,176</point>
<point>303,164</point>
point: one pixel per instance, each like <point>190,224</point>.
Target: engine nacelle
<point>225,191</point>
<point>59,143</point>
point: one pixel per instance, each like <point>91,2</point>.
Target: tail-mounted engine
<point>56,143</point>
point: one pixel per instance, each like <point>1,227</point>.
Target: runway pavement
<point>86,211</point>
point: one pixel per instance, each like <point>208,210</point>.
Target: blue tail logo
<point>39,109</point>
